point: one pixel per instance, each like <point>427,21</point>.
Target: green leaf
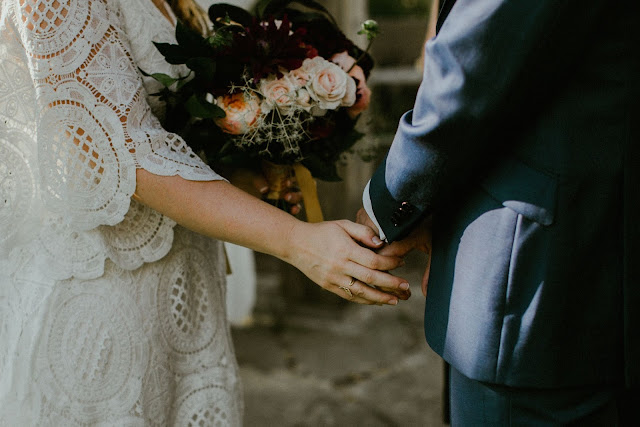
<point>186,37</point>
<point>204,68</point>
<point>190,45</point>
<point>165,79</point>
<point>197,106</point>
<point>173,53</point>
<point>183,81</point>
<point>223,36</point>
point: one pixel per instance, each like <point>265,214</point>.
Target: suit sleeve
<point>492,65</point>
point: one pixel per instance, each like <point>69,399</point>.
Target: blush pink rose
<point>330,85</point>
<point>280,93</point>
<point>242,112</point>
<point>344,60</point>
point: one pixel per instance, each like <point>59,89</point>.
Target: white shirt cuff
<point>366,203</point>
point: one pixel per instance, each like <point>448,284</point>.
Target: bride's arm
<point>325,252</point>
<point>98,141</point>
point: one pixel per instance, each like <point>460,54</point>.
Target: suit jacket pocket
<point>524,190</point>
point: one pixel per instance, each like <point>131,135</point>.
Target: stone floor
<point>329,364</point>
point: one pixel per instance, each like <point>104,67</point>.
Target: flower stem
<point>362,55</point>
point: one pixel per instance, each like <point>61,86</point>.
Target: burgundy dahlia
<point>267,46</point>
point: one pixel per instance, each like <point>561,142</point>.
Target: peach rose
<point>242,112</point>
<point>280,93</point>
<point>330,85</point>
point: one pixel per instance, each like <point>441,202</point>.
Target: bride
<point>111,283</point>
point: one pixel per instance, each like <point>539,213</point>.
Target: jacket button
<point>402,213</point>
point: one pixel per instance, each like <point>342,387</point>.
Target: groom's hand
<point>418,239</point>
<point>363,218</point>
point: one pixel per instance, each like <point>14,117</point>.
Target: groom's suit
<point>523,144</point>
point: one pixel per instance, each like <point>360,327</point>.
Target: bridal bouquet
<point>281,90</point>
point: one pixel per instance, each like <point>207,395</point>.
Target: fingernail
<point>404,286</point>
<point>376,240</point>
<point>264,189</point>
<point>393,302</point>
<point>288,197</point>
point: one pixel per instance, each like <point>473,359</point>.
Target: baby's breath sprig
<point>286,128</point>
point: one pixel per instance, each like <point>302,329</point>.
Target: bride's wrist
<point>294,242</point>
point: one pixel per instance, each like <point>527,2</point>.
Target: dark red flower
<point>267,46</point>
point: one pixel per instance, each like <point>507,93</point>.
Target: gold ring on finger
<point>347,291</point>
<point>353,280</point>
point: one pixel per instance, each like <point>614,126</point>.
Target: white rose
<point>330,85</point>
<point>277,93</point>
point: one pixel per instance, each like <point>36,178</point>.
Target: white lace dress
<point>110,314</point>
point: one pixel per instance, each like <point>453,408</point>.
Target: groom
<point>522,149</point>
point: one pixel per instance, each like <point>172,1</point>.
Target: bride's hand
<point>328,254</point>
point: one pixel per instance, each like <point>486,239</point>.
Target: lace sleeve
<point>94,126</point>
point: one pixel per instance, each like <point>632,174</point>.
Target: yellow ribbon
<point>309,192</point>
<point>277,175</point>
